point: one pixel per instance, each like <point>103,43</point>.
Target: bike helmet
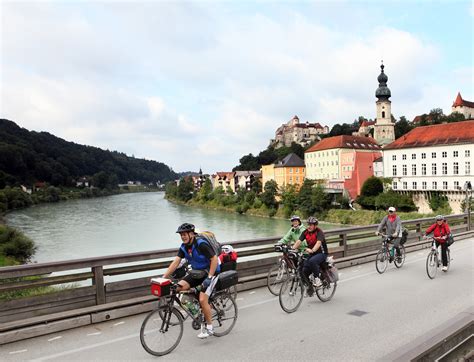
<point>312,220</point>
<point>295,217</point>
<point>227,249</point>
<point>439,217</point>
<point>185,228</point>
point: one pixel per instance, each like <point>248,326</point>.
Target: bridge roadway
<point>400,305</point>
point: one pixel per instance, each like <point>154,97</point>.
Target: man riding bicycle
<point>441,231</point>
<point>393,228</point>
<point>200,255</point>
<point>294,233</point>
<point>317,250</point>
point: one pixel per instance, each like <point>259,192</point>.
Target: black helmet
<point>185,228</point>
<point>312,220</point>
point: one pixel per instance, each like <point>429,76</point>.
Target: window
<point>456,185</point>
<point>433,169</point>
<point>445,185</point>
<point>405,185</point>
<point>394,157</point>
<point>291,170</point>
<point>394,170</point>
<point>414,185</point>
<point>468,168</point>
<point>413,170</point>
<point>395,185</point>
<point>467,153</point>
<point>297,179</point>
<point>423,185</point>
<point>456,168</point>
<point>404,157</point>
<point>423,168</point>
<point>433,155</point>
<point>435,185</point>
<point>291,179</point>
<point>297,170</point>
<point>444,168</point>
<point>444,154</point>
<point>423,155</point>
<point>455,153</point>
<point>383,114</point>
<point>413,156</point>
<point>404,170</point>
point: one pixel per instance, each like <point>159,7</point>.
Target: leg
<point>396,245</point>
<point>444,256</point>
<point>305,270</point>
<point>317,260</point>
<point>206,308</point>
<point>183,285</point>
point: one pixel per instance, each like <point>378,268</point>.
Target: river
<point>128,223</point>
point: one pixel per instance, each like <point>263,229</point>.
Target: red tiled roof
<point>345,141</point>
<point>459,102</point>
<point>438,134</point>
<point>229,175</point>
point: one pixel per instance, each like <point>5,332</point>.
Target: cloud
<point>161,80</point>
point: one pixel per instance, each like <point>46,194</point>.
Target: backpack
<point>228,258</point>
<point>211,240</point>
<point>404,237</point>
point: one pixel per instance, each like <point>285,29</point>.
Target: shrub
<point>15,244</point>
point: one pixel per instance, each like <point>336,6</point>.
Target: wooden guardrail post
<point>98,282</point>
<point>418,230</point>
<point>343,243</point>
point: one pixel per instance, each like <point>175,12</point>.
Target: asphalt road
<point>399,305</point>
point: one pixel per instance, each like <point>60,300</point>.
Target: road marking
<point>253,292</point>
<point>119,323</point>
<point>239,299</point>
<point>94,334</point>
<point>54,338</point>
<point>136,335</point>
<point>20,351</point>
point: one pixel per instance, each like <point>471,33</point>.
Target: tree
<point>289,200</point>
<point>305,197</point>
<point>371,188</point>
<point>205,191</point>
<point>185,189</point>
<point>269,193</point>
<point>248,163</point>
<point>402,127</point>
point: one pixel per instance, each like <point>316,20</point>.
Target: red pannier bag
<point>160,287</point>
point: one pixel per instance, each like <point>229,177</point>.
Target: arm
<point>213,266</point>
<point>382,225</point>
<point>398,227</point>
<point>316,247</point>
<point>174,264</point>
<point>297,244</point>
<point>286,239</point>
<point>430,229</point>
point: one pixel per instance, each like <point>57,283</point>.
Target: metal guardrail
<point>349,246</point>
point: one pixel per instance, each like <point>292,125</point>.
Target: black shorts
<point>194,282</point>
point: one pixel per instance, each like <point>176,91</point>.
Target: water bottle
<point>193,309</point>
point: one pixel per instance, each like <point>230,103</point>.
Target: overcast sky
<point>200,84</point>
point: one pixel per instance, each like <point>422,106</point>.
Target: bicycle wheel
<point>381,261</point>
<point>400,260</point>
<point>291,294</point>
<point>159,336</point>
<point>276,276</point>
<point>327,290</point>
<point>224,314</point>
<point>432,264</point>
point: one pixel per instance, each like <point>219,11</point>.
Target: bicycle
<point>162,329</point>
<point>433,261</point>
<point>280,272</point>
<point>293,289</point>
<point>383,256</point>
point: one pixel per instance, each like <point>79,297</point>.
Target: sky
<point>202,83</point>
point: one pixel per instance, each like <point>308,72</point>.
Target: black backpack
<point>404,237</point>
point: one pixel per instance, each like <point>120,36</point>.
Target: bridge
<point>399,315</point>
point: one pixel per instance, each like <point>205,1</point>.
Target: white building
<point>435,158</point>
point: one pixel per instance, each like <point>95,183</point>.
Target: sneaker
<point>444,268</point>
<point>317,283</point>
<point>391,259</point>
<point>205,333</point>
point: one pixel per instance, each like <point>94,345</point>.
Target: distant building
<point>244,180</point>
<point>224,180</point>
<point>268,173</point>
<point>378,167</point>
<point>432,159</point>
<point>343,162</point>
<point>199,180</point>
<point>83,182</point>
<point>301,133</point>
<point>365,129</point>
<point>384,128</point>
<point>289,171</point>
<point>464,107</point>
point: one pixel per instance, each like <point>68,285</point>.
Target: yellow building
<point>289,171</point>
<point>268,173</point>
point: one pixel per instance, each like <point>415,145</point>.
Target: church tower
<point>384,129</point>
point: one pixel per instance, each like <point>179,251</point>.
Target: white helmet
<point>227,249</point>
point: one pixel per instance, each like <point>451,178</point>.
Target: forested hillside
<point>29,156</point>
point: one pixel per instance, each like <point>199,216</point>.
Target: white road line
<point>239,299</point>
<point>136,335</point>
<point>253,292</point>
<point>94,334</point>
<point>119,323</point>
<point>20,351</point>
<point>54,338</point>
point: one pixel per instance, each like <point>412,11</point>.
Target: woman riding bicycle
<point>317,249</point>
<point>441,231</point>
<point>393,228</point>
<point>294,233</point>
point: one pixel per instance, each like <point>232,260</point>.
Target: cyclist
<point>294,233</point>
<point>317,250</point>
<point>441,231</point>
<point>393,228</point>
<point>201,257</point>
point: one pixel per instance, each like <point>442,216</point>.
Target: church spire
<point>382,92</point>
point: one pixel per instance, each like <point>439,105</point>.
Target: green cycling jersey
<point>292,235</point>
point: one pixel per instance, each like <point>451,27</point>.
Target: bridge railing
<point>81,286</point>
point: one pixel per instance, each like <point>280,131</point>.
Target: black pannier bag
<point>404,237</point>
<point>227,279</point>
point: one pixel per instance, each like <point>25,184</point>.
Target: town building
<point>199,179</point>
<point>224,180</point>
<point>343,162</point>
<point>378,167</point>
<point>464,107</point>
<point>244,180</point>
<point>301,133</point>
<point>289,171</point>
<point>384,128</point>
<point>432,159</point>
